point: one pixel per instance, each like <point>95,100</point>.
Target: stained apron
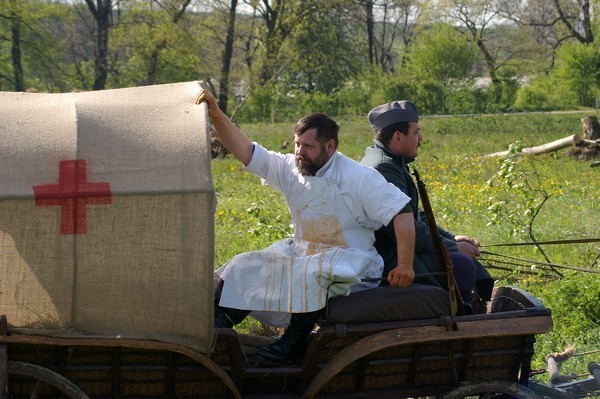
<point>330,253</point>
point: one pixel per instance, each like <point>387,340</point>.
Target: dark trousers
<point>464,272</point>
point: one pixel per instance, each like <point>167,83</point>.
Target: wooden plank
<point>418,335</point>
<point>128,343</point>
<point>3,359</point>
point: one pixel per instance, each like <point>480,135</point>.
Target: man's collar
<point>402,159</point>
<point>321,172</point>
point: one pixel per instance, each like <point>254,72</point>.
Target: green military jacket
<point>395,169</point>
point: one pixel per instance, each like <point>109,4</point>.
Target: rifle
<point>441,251</point>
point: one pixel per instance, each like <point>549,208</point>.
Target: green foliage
<point>430,97</point>
<point>266,228</point>
<point>354,97</point>
<point>45,29</point>
<point>573,300</point>
<point>152,49</point>
<point>323,53</point>
<point>522,197</point>
<point>545,93</point>
<point>579,67</point>
<point>301,54</point>
<point>502,96</point>
<point>465,100</point>
<point>442,56</point>
<point>318,102</point>
<point>266,103</point>
<point>361,94</point>
<point>574,82</point>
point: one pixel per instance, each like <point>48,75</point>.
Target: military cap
<point>390,113</point>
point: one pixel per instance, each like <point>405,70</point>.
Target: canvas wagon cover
<point>106,214</point>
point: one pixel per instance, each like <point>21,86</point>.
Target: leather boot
<point>228,317</point>
<point>290,347</point>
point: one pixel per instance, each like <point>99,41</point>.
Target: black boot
<point>290,347</point>
<point>228,317</point>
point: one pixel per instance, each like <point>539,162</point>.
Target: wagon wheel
<point>490,390</point>
<point>43,382</point>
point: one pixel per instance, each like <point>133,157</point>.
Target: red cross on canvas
<point>72,193</point>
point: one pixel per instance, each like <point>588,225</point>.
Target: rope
<point>580,269</point>
<point>573,241</point>
<point>510,269</point>
<point>585,353</point>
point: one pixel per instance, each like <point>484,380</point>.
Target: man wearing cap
<point>336,205</point>
<point>396,143</point>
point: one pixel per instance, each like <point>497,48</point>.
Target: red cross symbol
<point>73,192</point>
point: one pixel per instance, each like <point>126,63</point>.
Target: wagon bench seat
<point>385,303</point>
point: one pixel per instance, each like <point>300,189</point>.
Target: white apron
<point>329,254</point>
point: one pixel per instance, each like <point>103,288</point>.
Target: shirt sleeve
<point>382,200</point>
<point>272,167</point>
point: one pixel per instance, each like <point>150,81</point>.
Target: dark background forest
<point>273,60</point>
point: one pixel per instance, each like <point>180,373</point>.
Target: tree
<point>280,17</point>
<point>385,22</point>
<point>442,55</point>
<point>552,22</point>
<point>578,65</point>
<point>12,13</point>
<point>227,57</point>
<point>32,51</point>
<point>576,16</point>
<point>477,17</point>
<point>102,13</point>
<point>322,50</point>
<point>175,10</point>
<point>483,21</point>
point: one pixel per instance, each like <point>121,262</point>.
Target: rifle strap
<point>441,250</point>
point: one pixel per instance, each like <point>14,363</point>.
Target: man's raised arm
<point>230,135</point>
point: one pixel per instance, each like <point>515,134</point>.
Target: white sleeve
<point>272,167</point>
<point>382,200</point>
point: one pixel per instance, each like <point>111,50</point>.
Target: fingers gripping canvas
<point>106,214</point>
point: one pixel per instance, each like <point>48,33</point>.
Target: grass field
<point>251,216</point>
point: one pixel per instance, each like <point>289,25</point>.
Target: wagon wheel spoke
<point>37,379</point>
<point>35,390</point>
<point>490,390</point>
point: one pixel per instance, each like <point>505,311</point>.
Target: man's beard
<point>310,168</point>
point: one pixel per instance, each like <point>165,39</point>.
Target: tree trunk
<point>591,128</point>
<point>227,56</point>
<point>153,62</point>
<point>370,35</point>
<point>585,37</point>
<point>15,28</point>
<point>102,12</point>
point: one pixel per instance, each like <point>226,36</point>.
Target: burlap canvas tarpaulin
<point>106,214</point>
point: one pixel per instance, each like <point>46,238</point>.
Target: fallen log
<point>588,143</point>
<point>544,148</point>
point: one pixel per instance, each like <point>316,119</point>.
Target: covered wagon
<point>106,275</point>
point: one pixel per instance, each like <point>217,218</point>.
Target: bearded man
<point>336,205</point>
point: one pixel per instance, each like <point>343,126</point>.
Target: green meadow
<point>512,199</point>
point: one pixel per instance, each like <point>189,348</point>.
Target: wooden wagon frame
<point>431,355</point>
<point>411,358</point>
